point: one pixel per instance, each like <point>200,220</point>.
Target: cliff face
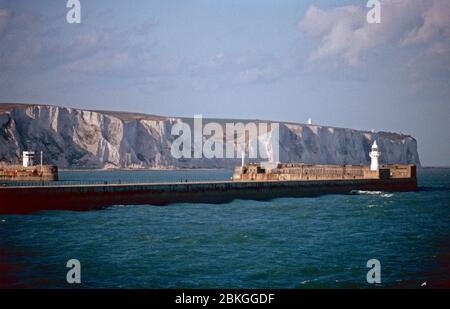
<point>73,138</point>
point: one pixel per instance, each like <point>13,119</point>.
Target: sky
<point>280,60</point>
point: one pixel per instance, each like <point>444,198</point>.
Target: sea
<point>320,242</point>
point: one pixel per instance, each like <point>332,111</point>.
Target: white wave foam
<point>362,192</point>
<point>380,193</point>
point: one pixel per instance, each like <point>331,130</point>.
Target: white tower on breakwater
<point>374,155</point>
<point>27,158</point>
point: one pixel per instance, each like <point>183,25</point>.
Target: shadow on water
<point>433,189</point>
<point>436,273</point>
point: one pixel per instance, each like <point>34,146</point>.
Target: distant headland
<point>84,139</point>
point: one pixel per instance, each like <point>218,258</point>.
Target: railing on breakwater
<point>106,182</point>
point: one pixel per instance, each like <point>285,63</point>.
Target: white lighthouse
<point>374,155</point>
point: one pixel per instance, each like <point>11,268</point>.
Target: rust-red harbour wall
<point>22,200</point>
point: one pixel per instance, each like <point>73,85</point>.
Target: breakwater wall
<point>301,171</point>
<point>30,173</point>
<point>22,200</point>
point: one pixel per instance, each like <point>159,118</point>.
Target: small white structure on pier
<point>28,158</point>
<point>309,121</point>
<point>374,155</point>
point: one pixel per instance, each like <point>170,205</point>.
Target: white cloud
<point>5,17</point>
<point>435,28</point>
<point>99,63</point>
<point>344,32</point>
<point>257,74</point>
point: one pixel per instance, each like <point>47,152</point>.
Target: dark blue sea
<point>320,242</point>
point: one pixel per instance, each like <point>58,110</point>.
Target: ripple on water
<point>286,242</point>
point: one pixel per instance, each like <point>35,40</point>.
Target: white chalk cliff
<point>74,138</point>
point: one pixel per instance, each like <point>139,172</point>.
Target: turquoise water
<point>284,243</point>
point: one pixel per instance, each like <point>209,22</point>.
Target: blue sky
<point>278,60</point>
